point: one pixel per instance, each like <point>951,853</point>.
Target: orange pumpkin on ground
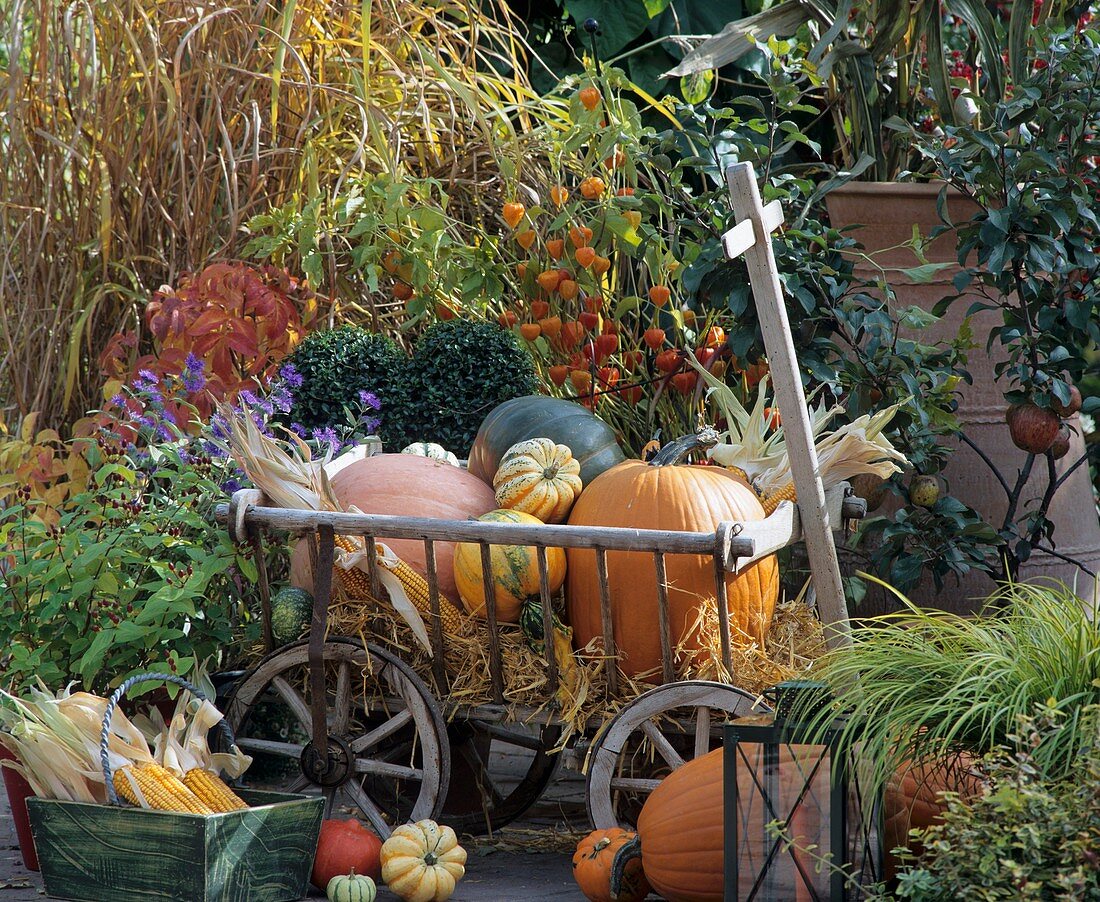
<point>409,486</point>
<point>913,799</point>
<point>592,868</point>
<point>681,830</point>
<point>664,494</point>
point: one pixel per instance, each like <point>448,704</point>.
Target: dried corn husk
<point>752,445</point>
<point>289,476</point>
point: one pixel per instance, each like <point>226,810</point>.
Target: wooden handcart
<point>361,727</point>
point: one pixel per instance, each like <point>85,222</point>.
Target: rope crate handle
<point>108,714</point>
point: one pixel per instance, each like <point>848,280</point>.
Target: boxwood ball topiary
<point>335,366</point>
<point>461,370</point>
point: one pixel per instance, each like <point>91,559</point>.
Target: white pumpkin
<point>432,450</point>
<point>422,862</point>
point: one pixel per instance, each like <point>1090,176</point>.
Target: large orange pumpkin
<point>409,486</point>
<point>681,830</point>
<point>662,493</point>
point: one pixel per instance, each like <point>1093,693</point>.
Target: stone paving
<point>495,873</point>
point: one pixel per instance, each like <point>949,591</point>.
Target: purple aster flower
<point>219,427</point>
<point>146,421</point>
<point>290,375</point>
<point>282,399</point>
<point>250,399</point>
<point>327,436</point>
<point>118,401</point>
<point>149,376</point>
<point>369,399</point>
<point>371,424</point>
<point>299,430</point>
<point>168,416</point>
<point>193,378</point>
<point>164,433</point>
<point>231,485</point>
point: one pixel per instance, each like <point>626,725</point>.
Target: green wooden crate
<point>102,853</point>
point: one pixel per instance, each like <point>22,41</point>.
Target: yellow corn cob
<point>771,502</point>
<point>162,790</point>
<point>212,790</point>
<point>416,587</point>
<point>356,583</point>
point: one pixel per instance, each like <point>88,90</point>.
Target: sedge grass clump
<point>921,684</point>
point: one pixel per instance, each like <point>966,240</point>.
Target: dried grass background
<point>138,136</point>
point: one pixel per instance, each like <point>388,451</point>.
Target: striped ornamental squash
<point>515,570</point>
<point>538,477</point>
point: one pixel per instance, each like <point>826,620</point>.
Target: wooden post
<point>789,396</point>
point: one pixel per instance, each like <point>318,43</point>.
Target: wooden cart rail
<point>732,545</point>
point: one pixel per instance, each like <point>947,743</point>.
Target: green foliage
<point>1030,251</point>
<point>930,682</point>
<point>1029,837</point>
<point>335,365</point>
<point>131,574</point>
<point>460,370</point>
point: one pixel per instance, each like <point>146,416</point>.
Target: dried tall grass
<point>138,136</point>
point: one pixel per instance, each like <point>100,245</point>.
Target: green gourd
<point>351,888</point>
<point>291,610</point>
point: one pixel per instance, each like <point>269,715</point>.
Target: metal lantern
<point>798,825</point>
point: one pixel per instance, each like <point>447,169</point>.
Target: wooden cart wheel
<point>388,752</point>
<point>502,770</point>
<point>651,737</point>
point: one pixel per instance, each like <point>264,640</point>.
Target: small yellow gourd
<point>422,862</point>
<point>538,477</point>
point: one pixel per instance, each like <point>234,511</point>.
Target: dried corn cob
<point>212,790</point>
<point>416,588</point>
<point>159,787</point>
<point>771,502</point>
<point>356,583</point>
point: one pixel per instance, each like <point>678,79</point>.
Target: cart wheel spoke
<point>702,730</point>
<point>302,783</point>
<point>329,795</point>
<point>341,706</point>
<point>371,696</point>
<point>385,730</point>
<point>490,795</point>
<point>294,701</point>
<point>387,769</point>
<point>372,812</point>
<point>663,746</point>
<point>271,747</point>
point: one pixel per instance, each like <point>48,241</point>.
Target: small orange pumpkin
<point>592,867</point>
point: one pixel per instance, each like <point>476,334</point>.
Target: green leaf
<point>696,88</point>
<point>926,272</point>
<point>620,22</point>
<point>1019,25</point>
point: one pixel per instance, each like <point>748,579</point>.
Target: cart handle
<point>108,714</point>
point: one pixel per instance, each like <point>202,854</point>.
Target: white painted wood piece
<point>791,400</point>
<point>743,235</point>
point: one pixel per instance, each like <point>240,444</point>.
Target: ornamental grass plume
<point>927,683</point>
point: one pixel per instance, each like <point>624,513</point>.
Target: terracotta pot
<point>886,213</point>
<point>913,800</point>
<point>19,790</point>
